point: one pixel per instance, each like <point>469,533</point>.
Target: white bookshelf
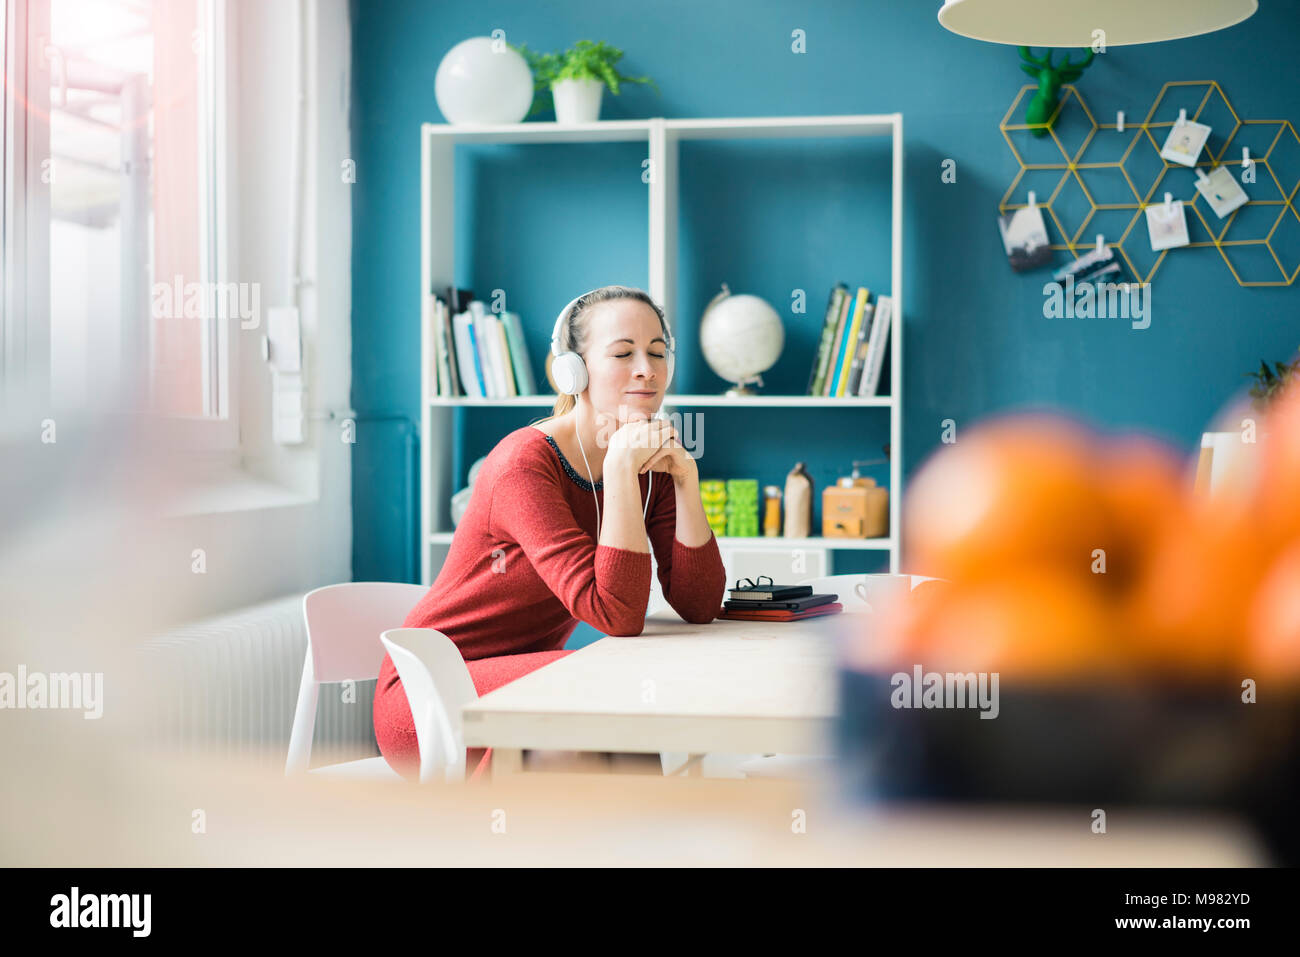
<point>661,136</point>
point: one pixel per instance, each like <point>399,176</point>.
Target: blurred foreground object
<point>1131,640</point>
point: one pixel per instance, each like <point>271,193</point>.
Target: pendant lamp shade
<point>1073,23</point>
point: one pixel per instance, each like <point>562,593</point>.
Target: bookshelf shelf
<point>439,425</point>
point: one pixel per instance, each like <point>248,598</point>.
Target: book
<point>771,592</point>
<point>485,341</point>
<point>519,354</point>
<point>860,352</point>
<point>457,387</point>
<point>834,608</point>
<point>839,292</point>
<point>503,351</point>
<point>448,380</point>
<point>467,356</point>
<point>429,353</point>
<point>835,338</point>
<point>797,604</point>
<point>845,306</point>
<point>876,350</point>
<point>850,342</point>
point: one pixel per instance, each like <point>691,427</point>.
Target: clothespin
<point>1182,117</point>
<point>1101,244</point>
<point>1169,202</point>
<point>1245,157</point>
<point>1032,197</point>
<point>1119,121</point>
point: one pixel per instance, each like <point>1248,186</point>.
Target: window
<point>122,109</point>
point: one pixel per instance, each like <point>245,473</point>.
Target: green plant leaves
<point>584,60</point>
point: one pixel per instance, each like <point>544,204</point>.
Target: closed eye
<point>624,355</point>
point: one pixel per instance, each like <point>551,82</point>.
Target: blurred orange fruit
<point>1277,500</point>
<point>1033,625</point>
<point>1018,490</point>
<point>1145,487</point>
<point>1274,631</point>
<point>1189,612</point>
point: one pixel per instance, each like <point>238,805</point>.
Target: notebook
<point>754,614</point>
<point>797,604</point>
<point>766,591</point>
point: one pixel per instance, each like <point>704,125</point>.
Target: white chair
<point>344,625</point>
<point>438,686</point>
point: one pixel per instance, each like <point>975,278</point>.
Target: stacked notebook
<point>769,602</point>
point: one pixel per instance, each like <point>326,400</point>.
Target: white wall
<point>252,554</point>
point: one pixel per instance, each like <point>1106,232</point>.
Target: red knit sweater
<point>524,567</point>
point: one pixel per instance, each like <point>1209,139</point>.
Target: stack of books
<point>851,352</point>
<point>768,602</point>
<point>476,353</point>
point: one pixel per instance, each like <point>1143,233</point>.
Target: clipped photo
<point>1167,224</point>
<point>1221,191</point>
<point>1183,145</point>
<point>1024,237</point>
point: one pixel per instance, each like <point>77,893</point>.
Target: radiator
<point>229,685</point>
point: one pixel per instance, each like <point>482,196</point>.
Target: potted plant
<point>1271,383</point>
<point>1233,452</point>
<point>575,79</point>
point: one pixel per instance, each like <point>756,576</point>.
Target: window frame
<point>25,345</point>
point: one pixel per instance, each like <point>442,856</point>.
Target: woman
<point>556,529</point>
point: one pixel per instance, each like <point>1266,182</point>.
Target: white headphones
<point>570,374</point>
<point>568,369</point>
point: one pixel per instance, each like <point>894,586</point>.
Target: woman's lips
<point>646,394</point>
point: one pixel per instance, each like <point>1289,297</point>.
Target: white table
<point>728,686</point>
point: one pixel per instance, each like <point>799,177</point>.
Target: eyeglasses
<point>752,584</point>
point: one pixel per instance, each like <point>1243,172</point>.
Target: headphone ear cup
<point>570,373</point>
<point>672,361</point>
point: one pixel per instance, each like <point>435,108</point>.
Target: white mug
<point>880,591</point>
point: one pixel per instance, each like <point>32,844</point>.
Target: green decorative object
<point>742,508</point>
<point>584,60</point>
<point>1043,105</point>
<point>713,493</point>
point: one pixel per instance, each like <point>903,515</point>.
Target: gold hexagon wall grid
<point>1273,145</point>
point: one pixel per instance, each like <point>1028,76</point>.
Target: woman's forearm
<point>621,521</point>
<point>693,528</point>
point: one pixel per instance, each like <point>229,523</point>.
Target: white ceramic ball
<point>741,337</point>
<point>478,84</point>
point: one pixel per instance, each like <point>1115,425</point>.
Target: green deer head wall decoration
<point>1043,104</point>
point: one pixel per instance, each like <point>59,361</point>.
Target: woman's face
<point>627,359</point>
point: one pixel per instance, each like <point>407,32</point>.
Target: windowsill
<point>231,489</point>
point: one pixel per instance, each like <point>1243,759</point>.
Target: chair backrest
<point>344,623</point>
<point>437,685</point>
<point>849,597</point>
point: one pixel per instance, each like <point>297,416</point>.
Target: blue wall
<point>767,218</point>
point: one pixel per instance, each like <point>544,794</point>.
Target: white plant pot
<point>577,101</point>
<point>1232,461</point>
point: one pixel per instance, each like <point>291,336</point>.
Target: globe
<point>481,81</point>
<point>741,336</point>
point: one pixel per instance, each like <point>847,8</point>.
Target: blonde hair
<point>573,333</point>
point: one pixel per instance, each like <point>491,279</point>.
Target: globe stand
<point>742,388</point>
